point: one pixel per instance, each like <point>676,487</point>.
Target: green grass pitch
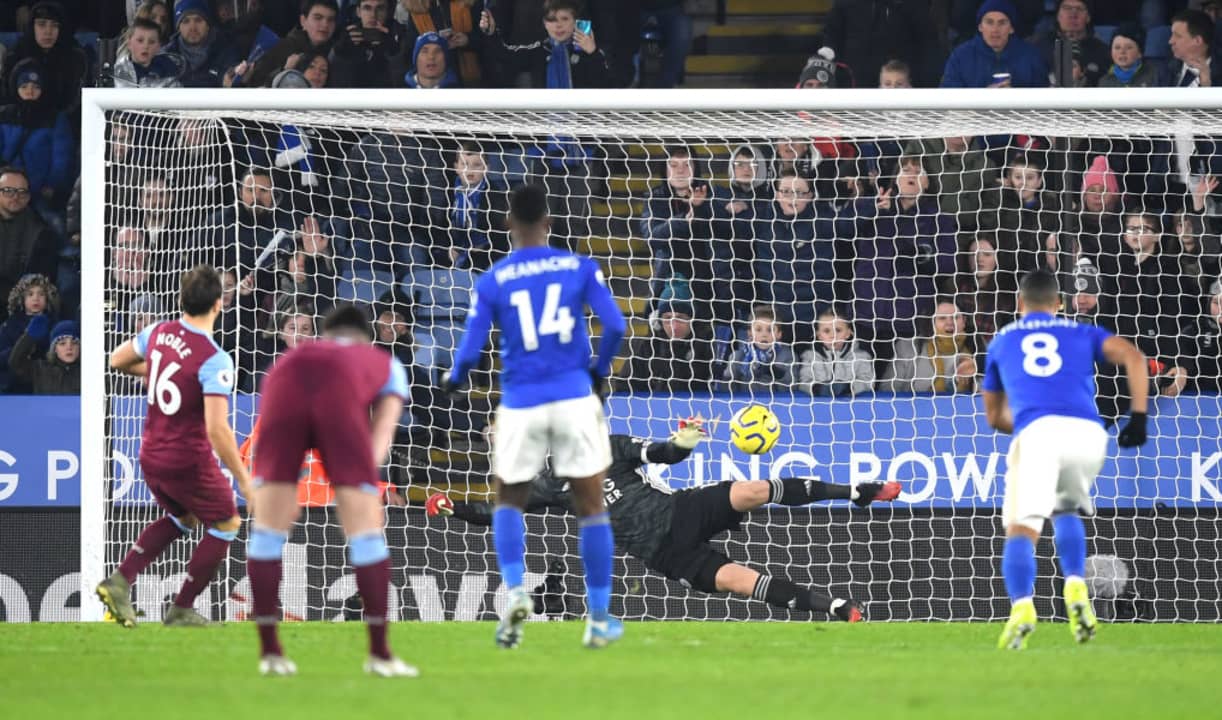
<point>687,671</point>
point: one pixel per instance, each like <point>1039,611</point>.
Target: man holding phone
<point>568,58</point>
<point>362,50</point>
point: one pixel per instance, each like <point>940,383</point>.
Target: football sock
<point>201,568</point>
<point>804,491</point>
<point>782,593</point>
<point>371,560</point>
<point>1018,567</point>
<point>151,543</point>
<point>1069,533</point>
<point>597,546</point>
<point>264,568</point>
<point>509,538</point>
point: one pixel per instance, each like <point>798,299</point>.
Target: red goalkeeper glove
<point>439,504</point>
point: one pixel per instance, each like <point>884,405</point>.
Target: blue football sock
<point>597,550</point>
<point>1018,567</point>
<point>1069,532</point>
<point>509,538</point>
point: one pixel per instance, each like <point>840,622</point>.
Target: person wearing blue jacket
<point>37,137</point>
<point>430,68</point>
<point>995,57</point>
<point>206,54</point>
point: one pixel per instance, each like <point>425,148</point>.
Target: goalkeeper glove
<point>1134,431</point>
<point>868,492</point>
<point>691,431</point>
<point>439,504</point>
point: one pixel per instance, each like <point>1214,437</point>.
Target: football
<point>754,429</point>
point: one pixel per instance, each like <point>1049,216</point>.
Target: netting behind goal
<point>847,269</point>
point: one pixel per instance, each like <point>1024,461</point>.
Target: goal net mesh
<point>846,269</point>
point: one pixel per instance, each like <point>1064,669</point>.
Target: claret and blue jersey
<point>537,298</point>
<point>1046,366</point>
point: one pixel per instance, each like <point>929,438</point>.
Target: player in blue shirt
<point>1039,385</point>
<point>551,401</point>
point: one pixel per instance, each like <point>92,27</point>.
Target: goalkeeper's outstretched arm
<point>795,491</point>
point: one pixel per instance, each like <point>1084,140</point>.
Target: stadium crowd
<point>822,265</point>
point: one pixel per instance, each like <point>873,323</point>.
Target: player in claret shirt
<point>189,380</point>
<point>342,397</point>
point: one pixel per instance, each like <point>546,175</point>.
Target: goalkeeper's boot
<point>601,633</point>
<point>847,610</point>
<point>277,666</point>
<point>390,667</point>
<point>509,629</point>
<point>184,617</point>
<point>116,594</point>
<point>1082,622</point>
<point>1019,626</point>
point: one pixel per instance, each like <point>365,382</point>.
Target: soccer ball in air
<point>754,429</point>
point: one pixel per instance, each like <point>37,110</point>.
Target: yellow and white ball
<point>754,429</point>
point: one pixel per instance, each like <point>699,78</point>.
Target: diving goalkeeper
<point>670,531</point>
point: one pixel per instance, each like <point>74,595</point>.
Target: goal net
<point>845,267</point>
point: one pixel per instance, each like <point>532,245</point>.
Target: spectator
<point>1073,25</point>
<point>248,230</point>
<point>904,247</point>
<point>294,325</point>
<point>677,224</point>
<point>314,68</point>
<point>316,33</point>
<point>32,296</point>
<point>235,328</point>
<point>568,58</point>
<point>478,213</point>
<point>820,71</point>
<point>1025,217</point>
<point>205,53</point>
<point>830,164</point>
<point>129,266</point>
<point>1192,33</point>
<point>940,361</point>
<point>1097,225</point>
<point>362,52</point>
<point>836,366</point>
<point>675,27</point>
<point>1201,344</point>
<point>764,364</point>
<point>795,255</point>
<point>895,75</point>
<point>145,65</point>
<point>1197,251</point>
<point>59,371</point>
<point>157,12</point>
<point>456,23</point>
<point>429,68</point>
<point>1083,292</point>
<point>38,138</point>
<point>994,58</point>
<point>306,273</point>
<point>987,298</point>
<point>27,245</point>
<point>49,41</point>
<point>867,33</point>
<point>673,358</point>
<point>740,210</point>
<point>963,170</point>
<point>1129,68</point>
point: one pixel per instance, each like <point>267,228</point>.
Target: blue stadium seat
<point>1156,42</point>
<point>9,39</point>
<point>361,284</point>
<point>1105,33</point>
<point>440,298</point>
<point>88,40</point>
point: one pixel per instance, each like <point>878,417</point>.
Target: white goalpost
<point>860,203</point>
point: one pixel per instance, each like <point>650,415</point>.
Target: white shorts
<point>1051,468</point>
<point>574,432</point>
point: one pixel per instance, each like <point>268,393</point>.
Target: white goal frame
<point>96,102</point>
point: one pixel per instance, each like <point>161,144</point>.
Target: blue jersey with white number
<point>1046,366</point>
<point>537,298</point>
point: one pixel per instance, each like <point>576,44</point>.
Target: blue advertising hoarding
<point>938,447</point>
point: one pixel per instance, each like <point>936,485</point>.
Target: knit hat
<point>1001,6</point>
<point>63,329</point>
<point>680,307</point>
<point>183,8</point>
<point>47,10</point>
<point>27,73</point>
<point>290,79</point>
<point>1132,31</point>
<point>428,38</point>
<point>1086,277</point>
<point>1101,174</point>
<point>820,66</point>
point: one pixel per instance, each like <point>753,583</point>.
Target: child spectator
<point>764,364</point>
<point>988,299</point>
<point>144,65</point>
<point>37,137</point>
<point>1023,215</point>
<point>895,75</point>
<point>1197,251</point>
<point>1129,68</point>
<point>741,209</point>
<point>1201,344</point>
<point>568,58</point>
<point>1098,226</point>
<point>58,370</point>
<point>677,224</point>
<point>478,214</point>
<point>1149,291</point>
<point>32,296</point>
<point>49,42</point>
<point>836,366</point>
<point>429,67</point>
<point>205,53</point>
<point>939,361</point>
